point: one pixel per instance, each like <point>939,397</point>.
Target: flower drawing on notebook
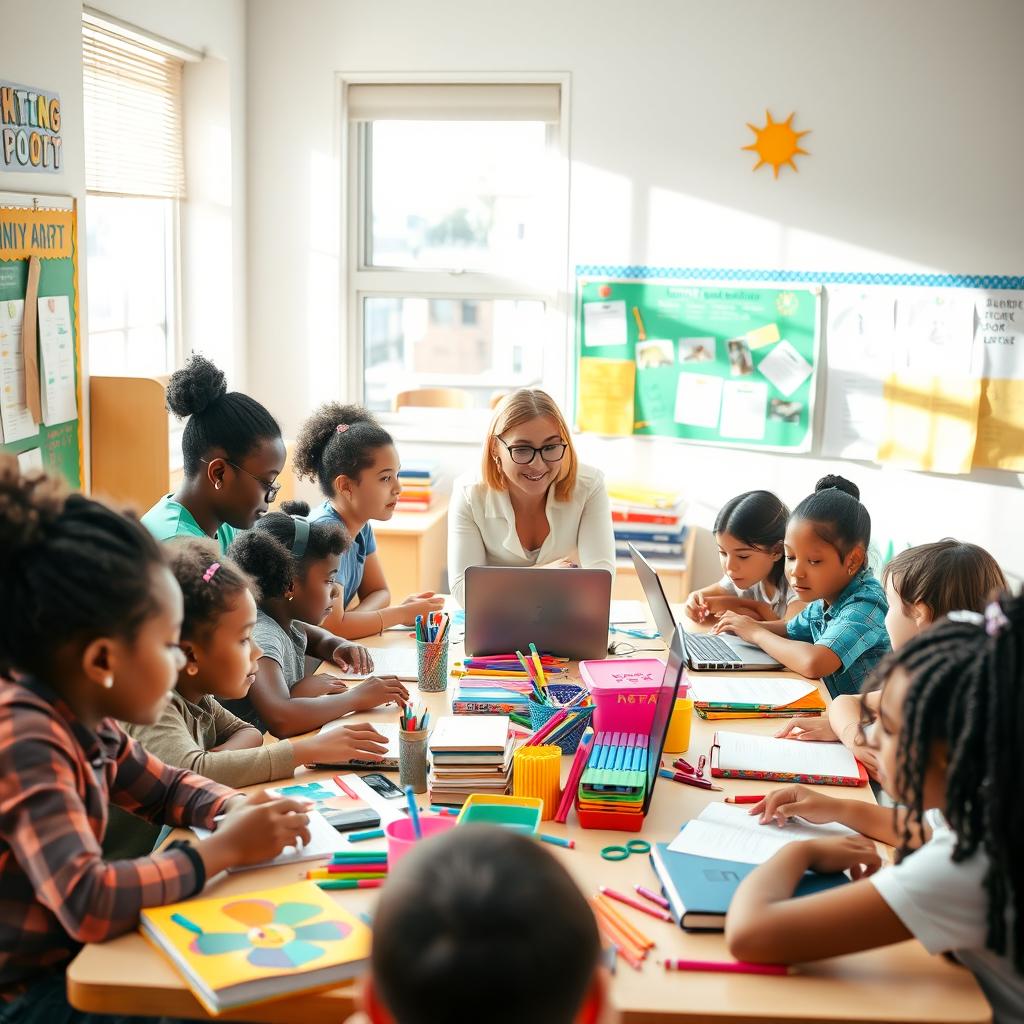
<point>274,934</point>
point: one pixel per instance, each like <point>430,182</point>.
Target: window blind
<point>430,101</point>
<point>133,135</point>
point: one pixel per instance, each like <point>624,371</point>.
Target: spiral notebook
<point>736,755</point>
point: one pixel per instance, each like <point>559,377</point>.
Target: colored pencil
<point>631,929</point>
<point>557,840</point>
<point>414,813</point>
<point>362,883</point>
<point>572,782</point>
<point>652,896</point>
<point>745,799</point>
<point>359,837</point>
<point>612,894</point>
<point>726,967</point>
<point>339,781</point>
<point>628,948</point>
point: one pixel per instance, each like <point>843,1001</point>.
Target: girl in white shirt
<point>950,745</point>
<point>532,503</point>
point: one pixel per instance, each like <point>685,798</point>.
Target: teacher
<point>532,503</point>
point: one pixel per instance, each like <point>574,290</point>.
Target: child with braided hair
<point>950,744</point>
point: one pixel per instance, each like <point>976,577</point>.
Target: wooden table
<point>413,549</point>
<point>900,983</point>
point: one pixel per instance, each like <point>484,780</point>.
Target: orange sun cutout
<point>777,143</point>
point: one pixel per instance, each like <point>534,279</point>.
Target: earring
<point>192,669</point>
<point>108,682</point>
<point>291,597</point>
<point>216,486</point>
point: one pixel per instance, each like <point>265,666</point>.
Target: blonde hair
<point>520,406</point>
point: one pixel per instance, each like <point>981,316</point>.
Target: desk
<point>413,549</point>
<point>900,984</point>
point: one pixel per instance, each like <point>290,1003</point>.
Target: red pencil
<point>745,799</point>
<point>725,967</point>
<point>340,783</point>
<point>661,915</point>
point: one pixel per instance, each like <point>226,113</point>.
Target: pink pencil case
<point>625,692</point>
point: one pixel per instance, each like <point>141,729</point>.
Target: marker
<point>343,786</point>
<point>414,813</point>
<point>688,780</point>
<point>344,857</point>
<point>652,896</point>
<point>726,967</point>
<point>450,812</point>
<point>350,883</point>
<point>569,844</point>
<point>373,833</point>
<point>187,924</point>
<point>661,915</point>
<point>744,799</point>
<point>640,332</point>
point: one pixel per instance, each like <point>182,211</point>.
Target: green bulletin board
<point>729,364</point>
<point>51,235</point>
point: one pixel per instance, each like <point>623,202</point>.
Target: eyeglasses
<point>270,491</point>
<point>524,454</point>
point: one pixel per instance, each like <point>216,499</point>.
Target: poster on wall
<point>30,129</point>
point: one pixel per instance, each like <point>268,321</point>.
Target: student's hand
<point>742,626</point>
<point>420,604</point>
<point>853,738</point>
<point>349,743</point>
<point>808,728</point>
<point>560,563</point>
<point>352,658</point>
<point>696,607</point>
<point>260,827</point>
<point>796,802</point>
<point>856,854</point>
<point>379,690</point>
<point>319,686</point>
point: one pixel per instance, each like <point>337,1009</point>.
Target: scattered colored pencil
<point>359,837</point>
<point>652,896</point>
<point>572,782</point>
<point>612,894</point>
<point>745,799</point>
<point>414,813</point>
<point>726,967</point>
<point>349,883</point>
<point>689,780</point>
<point>557,840</point>
<point>339,781</point>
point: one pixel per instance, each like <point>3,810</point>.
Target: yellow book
<point>239,950</point>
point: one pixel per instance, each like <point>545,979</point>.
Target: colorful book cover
<point>236,951</point>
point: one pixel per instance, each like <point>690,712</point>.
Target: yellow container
<point>537,772</point>
<point>677,740</point>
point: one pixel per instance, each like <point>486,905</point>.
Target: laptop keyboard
<point>709,648</point>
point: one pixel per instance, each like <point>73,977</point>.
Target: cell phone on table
<point>348,821</point>
<point>382,786</point>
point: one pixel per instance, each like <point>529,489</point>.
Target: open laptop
<point>703,652</point>
<point>563,611</point>
<point>663,710</point>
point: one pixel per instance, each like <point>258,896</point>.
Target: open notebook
<point>389,730</point>
<point>390,661</point>
<point>736,755</point>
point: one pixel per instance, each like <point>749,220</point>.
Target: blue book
<point>677,537</point>
<point>700,889</point>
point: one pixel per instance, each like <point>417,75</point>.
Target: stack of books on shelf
<point>419,478</point>
<point>470,754</point>
<point>650,520</point>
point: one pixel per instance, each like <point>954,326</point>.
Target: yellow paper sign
<point>42,233</point>
<point>931,423</point>
<point>606,396</point>
<point>761,336</point>
<point>1001,426</point>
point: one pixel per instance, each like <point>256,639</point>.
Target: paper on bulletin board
<point>604,323</point>
<point>931,423</point>
<point>606,400</point>
<point>57,349</point>
<point>14,413</point>
<point>935,332</point>
<point>1000,442</point>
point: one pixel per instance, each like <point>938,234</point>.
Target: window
<point>134,182</point>
<point>457,239</point>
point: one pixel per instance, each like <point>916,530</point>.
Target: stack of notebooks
<point>702,867</point>
<point>615,778</point>
<point>754,697</point>
<point>470,754</point>
<point>481,695</point>
<point>650,520</point>
<point>419,479</point>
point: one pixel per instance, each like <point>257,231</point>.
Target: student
<point>459,917</point>
<point>221,661</point>
<point>840,635</point>
<point>749,529</point>
<point>950,738</point>
<point>355,462</point>
<point>294,563</point>
<point>922,584</point>
<point>532,503</point>
<point>233,454</point>
<point>89,625</point>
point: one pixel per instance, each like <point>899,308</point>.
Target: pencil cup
<point>412,759</point>
<point>536,771</point>
<point>569,740</point>
<point>401,835</point>
<point>677,739</point>
<point>432,665</point>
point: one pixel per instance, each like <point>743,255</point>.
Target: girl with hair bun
<point>233,455</point>
<point>840,635</point>
<point>354,460</point>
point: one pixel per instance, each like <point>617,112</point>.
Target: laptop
<point>703,651</point>
<point>563,611</point>
<point>663,710</point>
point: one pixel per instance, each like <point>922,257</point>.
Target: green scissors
<point>622,852</point>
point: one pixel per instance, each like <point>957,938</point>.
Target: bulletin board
<point>39,334</point>
<point>729,364</point>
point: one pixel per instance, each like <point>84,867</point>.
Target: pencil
<point>643,941</point>
<point>628,949</point>
<point>612,894</point>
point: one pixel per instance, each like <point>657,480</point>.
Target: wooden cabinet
<point>413,549</point>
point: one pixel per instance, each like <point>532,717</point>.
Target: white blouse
<point>482,528</point>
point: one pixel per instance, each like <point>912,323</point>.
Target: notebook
<point>753,697</point>
<point>390,661</point>
<point>470,733</point>
<point>700,889</point>
<point>323,841</point>
<point>736,755</point>
<point>387,729</point>
<point>235,951</point>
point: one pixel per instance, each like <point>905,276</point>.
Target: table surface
<point>900,983</point>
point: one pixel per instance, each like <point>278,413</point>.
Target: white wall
<point>915,165</point>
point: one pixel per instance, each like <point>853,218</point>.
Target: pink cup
<point>401,835</point>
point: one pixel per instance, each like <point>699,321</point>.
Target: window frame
<point>358,281</point>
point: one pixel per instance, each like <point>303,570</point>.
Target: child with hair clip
<point>89,630</point>
<point>355,462</point>
<point>840,635</point>
<point>233,454</point>
<point>459,917</point>
<point>294,563</point>
<point>949,739</point>
<point>749,529</point>
<point>922,585</point>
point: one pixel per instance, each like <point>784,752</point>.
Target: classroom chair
<point>435,398</point>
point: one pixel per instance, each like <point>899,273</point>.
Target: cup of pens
<point>432,652</point>
<point>412,747</point>
<point>548,701</point>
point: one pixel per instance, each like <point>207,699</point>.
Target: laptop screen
<point>661,610</point>
<point>663,712</point>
